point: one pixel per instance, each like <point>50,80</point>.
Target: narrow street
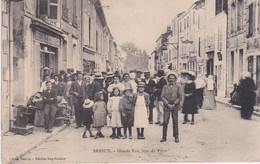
<point>217,136</point>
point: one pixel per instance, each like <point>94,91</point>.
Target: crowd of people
<point>126,101</point>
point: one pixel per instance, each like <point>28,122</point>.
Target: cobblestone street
<point>218,135</point>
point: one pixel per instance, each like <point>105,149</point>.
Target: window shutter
<point>43,6</point>
<point>53,6</point>
<point>250,19</point>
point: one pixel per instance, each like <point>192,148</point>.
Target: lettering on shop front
<point>40,36</point>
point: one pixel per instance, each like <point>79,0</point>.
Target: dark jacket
<point>80,89</point>
<point>126,103</point>
<point>171,94</point>
<point>149,87</point>
<point>49,97</point>
<point>247,92</point>
<point>146,98</point>
<point>162,82</point>
<point>60,88</point>
<point>92,89</point>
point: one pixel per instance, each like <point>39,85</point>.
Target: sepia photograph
<point>130,81</point>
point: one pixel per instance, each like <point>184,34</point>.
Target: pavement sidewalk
<point>15,146</point>
<point>226,101</point>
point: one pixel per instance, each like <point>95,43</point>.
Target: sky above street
<point>141,21</point>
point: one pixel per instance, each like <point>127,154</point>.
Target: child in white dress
<point>114,113</point>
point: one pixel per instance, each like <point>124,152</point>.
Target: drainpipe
<point>10,86</point>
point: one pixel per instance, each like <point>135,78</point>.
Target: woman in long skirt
<point>209,100</point>
<point>189,104</point>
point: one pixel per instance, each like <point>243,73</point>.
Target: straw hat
<point>110,74</point>
<point>63,101</point>
<point>191,73</point>
<point>99,76</point>
<point>141,84</point>
<point>46,68</point>
<point>88,103</point>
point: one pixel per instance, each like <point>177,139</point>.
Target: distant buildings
<point>219,38</point>
<point>58,34</point>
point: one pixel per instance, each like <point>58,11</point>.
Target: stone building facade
<point>243,42</point>
<point>58,34</point>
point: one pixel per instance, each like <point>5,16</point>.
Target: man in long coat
<point>158,92</point>
<point>78,89</point>
<point>149,88</point>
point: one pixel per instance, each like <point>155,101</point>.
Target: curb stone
<point>33,147</point>
<point>256,113</point>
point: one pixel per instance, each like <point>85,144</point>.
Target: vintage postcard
<point>130,81</point>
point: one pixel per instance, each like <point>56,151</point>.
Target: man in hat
<point>69,71</point>
<point>138,77</point>
<point>158,93</point>
<point>149,88</point>
<point>59,86</point>
<point>171,98</point>
<point>104,75</point>
<point>50,109</point>
<point>77,89</point>
<point>46,71</point>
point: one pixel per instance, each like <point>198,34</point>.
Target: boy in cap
<point>126,107</point>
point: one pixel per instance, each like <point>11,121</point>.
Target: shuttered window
<point>251,20</point>
<point>49,8</point>
<point>43,7</point>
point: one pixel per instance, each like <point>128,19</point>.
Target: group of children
<point>123,110</point>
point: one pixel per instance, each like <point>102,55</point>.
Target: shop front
<point>47,49</point>
<point>89,63</point>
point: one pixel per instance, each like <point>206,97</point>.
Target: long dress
<point>190,104</point>
<point>100,114</point>
<point>209,99</point>
<point>113,108</point>
<point>140,114</point>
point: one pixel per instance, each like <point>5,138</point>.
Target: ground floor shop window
<point>49,58</point>
<point>88,66</point>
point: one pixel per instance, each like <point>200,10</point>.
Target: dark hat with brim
<point>147,72</point>
<point>161,72</point>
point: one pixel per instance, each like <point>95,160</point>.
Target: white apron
<point>141,117</point>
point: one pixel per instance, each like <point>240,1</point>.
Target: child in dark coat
<point>126,107</point>
<point>87,117</point>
